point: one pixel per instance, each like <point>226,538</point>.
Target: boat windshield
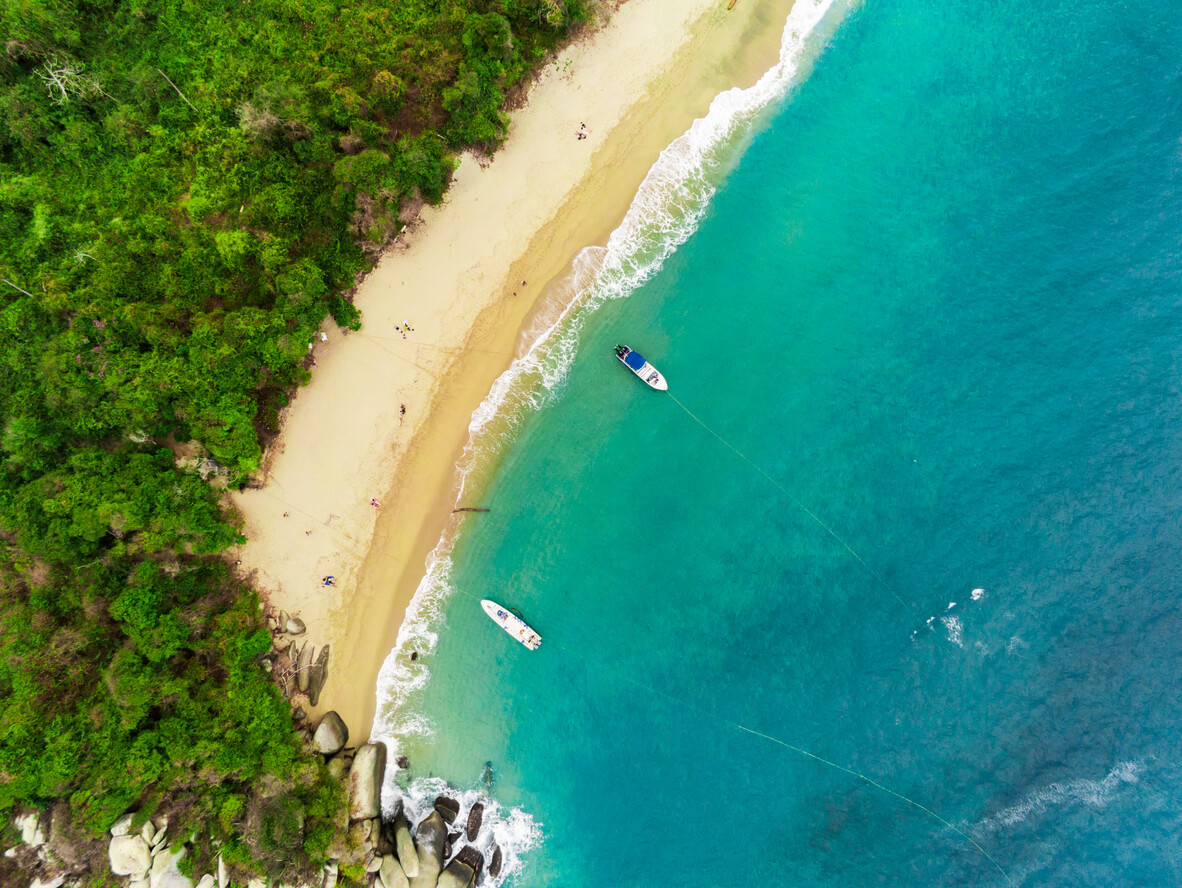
<point>633,360</point>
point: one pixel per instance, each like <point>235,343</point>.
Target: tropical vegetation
<point>187,190</point>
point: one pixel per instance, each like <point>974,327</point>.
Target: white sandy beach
<point>465,277</point>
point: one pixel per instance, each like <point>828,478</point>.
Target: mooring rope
<point>622,675</point>
<point>824,761</point>
<point>795,501</point>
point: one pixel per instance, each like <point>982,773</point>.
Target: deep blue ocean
<point>936,296</point>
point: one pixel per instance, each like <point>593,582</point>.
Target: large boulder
<point>429,836</point>
<point>471,857</point>
<point>457,875</point>
<point>392,875</point>
<point>318,675</point>
<point>122,826</point>
<point>294,626</point>
<point>30,828</point>
<point>494,863</point>
<point>207,881</point>
<point>166,872</point>
<point>331,734</point>
<point>365,781</point>
<point>475,819</point>
<point>448,808</point>
<point>129,855</point>
<point>56,882</point>
<point>303,666</point>
<point>405,846</point>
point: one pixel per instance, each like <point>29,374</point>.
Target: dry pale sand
<point>465,278</point>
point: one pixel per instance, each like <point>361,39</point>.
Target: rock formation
<point>365,781</point>
<point>448,808</point>
<point>303,664</point>
<point>405,846</point>
<point>475,818</point>
<point>318,675</point>
<point>456,875</point>
<point>494,863</point>
<point>430,835</point>
<point>331,735</point>
<point>130,856</point>
<point>472,858</point>
<point>392,875</point>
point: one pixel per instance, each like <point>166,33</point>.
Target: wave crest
<point>1096,793</point>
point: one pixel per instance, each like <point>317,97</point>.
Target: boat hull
<point>513,624</point>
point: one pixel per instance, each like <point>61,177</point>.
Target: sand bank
<point>464,279</point>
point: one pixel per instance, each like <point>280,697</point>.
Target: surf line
<point>795,501</point>
<point>824,761</point>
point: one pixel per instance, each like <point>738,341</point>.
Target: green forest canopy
<point>186,188</point>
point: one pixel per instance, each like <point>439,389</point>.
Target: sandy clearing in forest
<point>637,83</point>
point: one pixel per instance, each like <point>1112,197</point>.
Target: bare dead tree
<point>64,79</point>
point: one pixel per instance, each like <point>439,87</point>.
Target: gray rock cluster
<point>393,853</point>
<point>36,851</point>
<point>397,855</point>
<point>297,664</point>
<point>147,858</point>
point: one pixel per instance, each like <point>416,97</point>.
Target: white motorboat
<point>512,624</point>
<point>635,362</point>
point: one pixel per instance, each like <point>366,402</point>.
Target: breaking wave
<point>1096,793</point>
<point>510,829</point>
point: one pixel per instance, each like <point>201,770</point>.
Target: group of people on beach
<point>582,133</point>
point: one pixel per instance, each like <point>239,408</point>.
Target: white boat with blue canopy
<point>512,624</point>
<point>635,362</point>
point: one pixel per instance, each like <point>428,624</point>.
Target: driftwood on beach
<point>453,511</point>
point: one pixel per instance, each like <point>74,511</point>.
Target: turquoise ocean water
<point>927,279</point>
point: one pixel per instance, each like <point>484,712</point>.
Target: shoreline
<point>521,218</point>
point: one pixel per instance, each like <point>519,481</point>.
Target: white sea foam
<point>668,207</point>
<point>955,630</point>
<point>1095,793</point>
<point>510,829</point>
